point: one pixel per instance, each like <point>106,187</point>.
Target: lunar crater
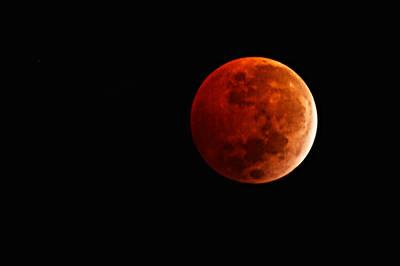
<point>257,173</point>
<point>239,98</point>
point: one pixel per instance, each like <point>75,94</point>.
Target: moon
<point>253,120</point>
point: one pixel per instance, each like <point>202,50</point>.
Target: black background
<point>121,85</point>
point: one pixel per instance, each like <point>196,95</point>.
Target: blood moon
<point>253,120</point>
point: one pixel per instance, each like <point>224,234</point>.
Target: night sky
<point>125,88</point>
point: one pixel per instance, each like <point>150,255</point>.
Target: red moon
<point>253,120</point>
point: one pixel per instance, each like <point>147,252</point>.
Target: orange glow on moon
<point>253,120</point>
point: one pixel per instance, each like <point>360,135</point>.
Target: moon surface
<point>253,120</point>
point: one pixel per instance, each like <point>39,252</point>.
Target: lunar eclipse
<point>253,120</point>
